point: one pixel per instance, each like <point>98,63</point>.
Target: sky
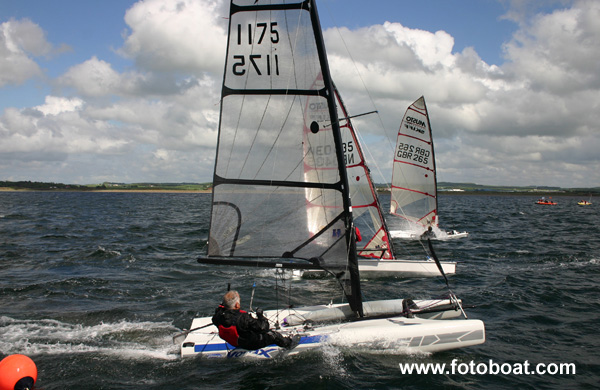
<point>128,91</point>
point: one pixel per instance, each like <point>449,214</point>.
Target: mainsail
<point>280,189</point>
<point>414,184</point>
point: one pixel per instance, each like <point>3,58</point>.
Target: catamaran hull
<point>396,334</point>
<point>404,268</point>
<point>374,268</point>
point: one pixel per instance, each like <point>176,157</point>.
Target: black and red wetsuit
<point>240,329</point>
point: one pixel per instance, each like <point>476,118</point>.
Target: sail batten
<point>278,183</point>
<point>290,92</point>
<point>302,4</point>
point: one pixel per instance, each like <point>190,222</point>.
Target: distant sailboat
<point>375,250</point>
<point>414,183</point>
<point>281,197</point>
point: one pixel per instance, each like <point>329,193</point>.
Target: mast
<point>436,219</point>
<point>354,295</point>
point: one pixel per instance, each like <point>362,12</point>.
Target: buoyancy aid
<point>230,333</point>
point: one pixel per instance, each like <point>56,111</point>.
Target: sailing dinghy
<point>375,250</point>
<point>414,182</point>
<point>281,197</point>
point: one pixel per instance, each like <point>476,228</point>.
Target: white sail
<point>414,182</point>
<point>280,188</point>
<point>414,185</point>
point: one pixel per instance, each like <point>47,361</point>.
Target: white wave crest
<point>131,340</point>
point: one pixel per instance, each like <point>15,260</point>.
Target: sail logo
<point>322,156</point>
<point>337,233</point>
<point>318,106</point>
<point>415,124</point>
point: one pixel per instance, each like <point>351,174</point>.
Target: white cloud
<point>187,36</point>
<point>18,41</point>
<point>559,52</point>
<point>533,119</point>
<point>55,105</point>
<point>58,128</point>
<point>93,78</point>
<point>517,120</point>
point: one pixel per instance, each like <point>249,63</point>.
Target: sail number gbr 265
<point>255,35</point>
<point>412,153</point>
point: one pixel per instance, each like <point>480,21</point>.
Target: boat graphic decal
<point>475,335</point>
<point>415,342</point>
<point>455,337</point>
<point>263,352</point>
<point>233,352</point>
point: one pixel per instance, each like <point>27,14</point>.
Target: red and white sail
<point>414,184</point>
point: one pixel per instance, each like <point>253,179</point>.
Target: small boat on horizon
<point>546,202</point>
<point>584,202</point>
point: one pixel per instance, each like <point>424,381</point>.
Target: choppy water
<point>94,285</point>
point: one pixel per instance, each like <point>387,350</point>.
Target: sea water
<point>94,285</point>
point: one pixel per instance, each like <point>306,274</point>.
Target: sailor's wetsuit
<point>240,329</point>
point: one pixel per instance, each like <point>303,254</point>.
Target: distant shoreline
<point>150,191</point>
<point>169,191</point>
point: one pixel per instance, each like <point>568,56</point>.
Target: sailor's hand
<point>259,313</point>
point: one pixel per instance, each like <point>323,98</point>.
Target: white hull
<point>398,333</point>
<point>373,268</point>
<point>404,268</point>
<point>444,236</point>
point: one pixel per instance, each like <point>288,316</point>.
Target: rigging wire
<point>385,132</point>
<point>359,74</point>
<point>358,135</point>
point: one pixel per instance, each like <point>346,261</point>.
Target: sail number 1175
<point>255,35</point>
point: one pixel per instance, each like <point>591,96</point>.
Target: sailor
<point>240,329</point>
<point>428,233</point>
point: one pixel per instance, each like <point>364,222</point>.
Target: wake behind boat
<point>414,182</point>
<point>438,234</point>
<point>281,197</point>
